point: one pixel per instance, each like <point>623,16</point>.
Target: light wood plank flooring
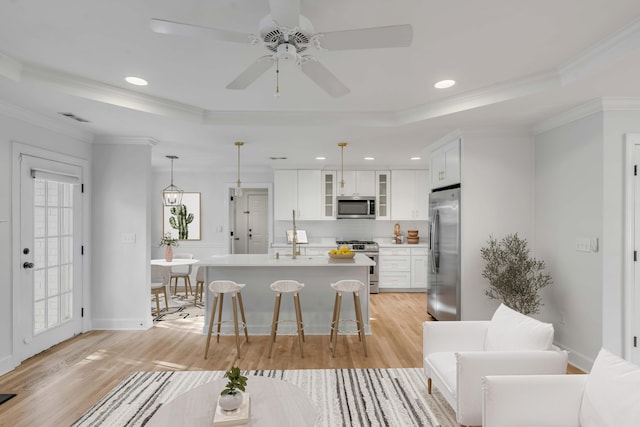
<point>57,386</point>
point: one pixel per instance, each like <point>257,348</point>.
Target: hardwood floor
<point>56,387</point>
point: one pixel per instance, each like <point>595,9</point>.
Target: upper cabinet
<point>445,165</point>
<point>383,198</point>
<point>329,194</point>
<point>357,183</point>
<point>300,190</point>
<point>409,195</point>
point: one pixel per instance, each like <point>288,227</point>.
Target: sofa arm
<point>453,336</point>
<point>472,366</point>
<point>532,400</point>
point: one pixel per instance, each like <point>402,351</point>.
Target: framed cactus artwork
<point>183,222</point>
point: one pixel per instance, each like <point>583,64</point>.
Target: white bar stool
<point>280,287</point>
<point>199,285</point>
<point>352,286</point>
<point>219,288</point>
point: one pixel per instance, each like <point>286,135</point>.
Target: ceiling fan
<point>288,35</point>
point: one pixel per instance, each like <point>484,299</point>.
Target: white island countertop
<point>265,260</point>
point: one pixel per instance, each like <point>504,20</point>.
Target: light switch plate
<point>128,238</point>
<point>583,244</point>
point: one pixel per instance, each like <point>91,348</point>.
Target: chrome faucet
<point>294,238</point>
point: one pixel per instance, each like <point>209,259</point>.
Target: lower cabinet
<point>403,268</point>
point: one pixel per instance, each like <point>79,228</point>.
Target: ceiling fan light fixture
<point>342,145</point>
<point>238,190</point>
<point>172,195</point>
<point>287,51</point>
<point>444,84</point>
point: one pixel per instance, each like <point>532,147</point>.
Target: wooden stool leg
<point>356,302</point>
<point>175,285</point>
<point>235,322</point>
<point>220,317</point>
<point>333,322</point>
<point>274,322</point>
<point>296,303</point>
<point>157,294</point>
<point>429,385</point>
<point>166,299</point>
<point>246,331</point>
<point>187,283</point>
<point>213,315</point>
<point>337,322</point>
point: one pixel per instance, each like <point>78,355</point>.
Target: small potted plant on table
<point>231,397</point>
<point>169,242</point>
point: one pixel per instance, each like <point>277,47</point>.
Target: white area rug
<point>343,397</point>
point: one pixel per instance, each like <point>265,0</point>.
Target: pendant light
<point>342,145</point>
<point>238,190</point>
<point>172,195</point>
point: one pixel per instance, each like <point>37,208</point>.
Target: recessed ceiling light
<point>369,158</point>
<point>416,158</point>
<point>443,84</point>
<point>137,81</point>
<point>321,158</point>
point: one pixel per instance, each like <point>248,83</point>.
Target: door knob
<point>27,264</point>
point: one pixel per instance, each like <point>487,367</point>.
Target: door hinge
<point>82,250</point>
<point>82,312</point>
<point>635,341</point>
<point>635,170</point>
<point>82,188</point>
<point>635,256</point>
<point>231,233</point>
<point>231,198</point>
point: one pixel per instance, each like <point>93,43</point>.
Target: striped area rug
<point>343,397</point>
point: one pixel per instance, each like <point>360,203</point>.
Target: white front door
<point>258,233</point>
<point>48,303</point>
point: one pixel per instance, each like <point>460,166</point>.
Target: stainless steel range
<point>367,248</point>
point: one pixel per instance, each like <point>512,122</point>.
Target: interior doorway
<point>249,221</point>
<point>631,339</point>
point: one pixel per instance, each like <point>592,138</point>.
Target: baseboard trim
<point>121,324</point>
<point>6,364</point>
<point>577,359</point>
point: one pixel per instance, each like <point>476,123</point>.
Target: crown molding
<point>605,51</point>
<point>620,104</point>
<point>36,119</point>
<point>125,140</point>
<point>571,115</point>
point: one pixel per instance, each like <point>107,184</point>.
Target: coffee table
<point>274,403</point>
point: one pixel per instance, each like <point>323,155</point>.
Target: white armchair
<point>458,354</point>
<point>608,397</point>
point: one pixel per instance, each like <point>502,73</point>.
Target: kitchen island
<point>316,299</point>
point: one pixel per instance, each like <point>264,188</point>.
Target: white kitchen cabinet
<point>419,268</point>
<point>383,198</point>
<point>357,183</point>
<point>300,190</point>
<point>409,195</point>
<point>329,179</point>
<point>394,270</point>
<point>445,165</point>
<point>285,194</point>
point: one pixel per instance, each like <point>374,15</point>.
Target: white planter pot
<point>230,402</point>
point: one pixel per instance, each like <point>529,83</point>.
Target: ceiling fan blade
<point>324,78</point>
<point>169,27</point>
<point>252,73</point>
<point>286,13</point>
<point>368,38</point>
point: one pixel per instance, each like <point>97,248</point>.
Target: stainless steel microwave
<point>356,207</point>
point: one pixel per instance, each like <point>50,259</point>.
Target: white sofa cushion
<point>510,330</point>
<point>612,393</point>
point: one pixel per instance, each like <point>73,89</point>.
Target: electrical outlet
<point>583,244</point>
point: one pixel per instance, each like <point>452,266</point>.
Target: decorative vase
<point>230,402</point>
<point>168,253</point>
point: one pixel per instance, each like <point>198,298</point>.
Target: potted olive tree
<point>514,278</point>
<point>231,396</point>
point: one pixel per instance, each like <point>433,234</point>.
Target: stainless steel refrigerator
<point>443,288</point>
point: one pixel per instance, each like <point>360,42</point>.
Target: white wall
<point>496,200</point>
<point>121,273</point>
<point>17,126</point>
<point>569,205</point>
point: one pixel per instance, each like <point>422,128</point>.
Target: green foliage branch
<point>514,278</point>
<point>236,382</point>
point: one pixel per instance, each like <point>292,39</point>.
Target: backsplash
<point>361,229</point>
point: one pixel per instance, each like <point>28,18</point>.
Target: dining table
<point>176,262</point>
